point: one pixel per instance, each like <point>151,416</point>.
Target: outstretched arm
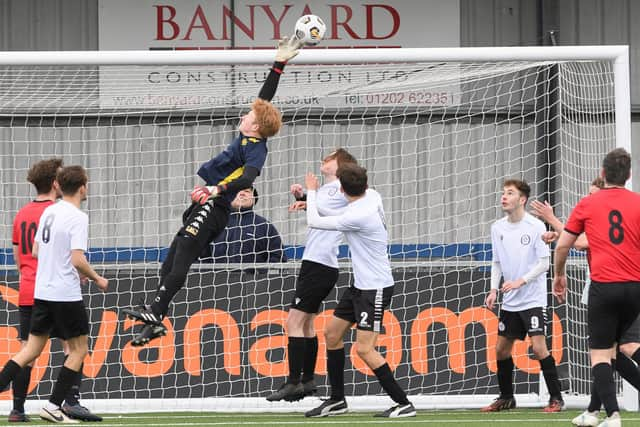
<point>287,49</point>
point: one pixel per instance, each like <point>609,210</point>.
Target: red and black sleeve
<point>271,83</point>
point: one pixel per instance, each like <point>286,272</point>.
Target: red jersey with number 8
<point>25,226</point>
<point>611,220</point>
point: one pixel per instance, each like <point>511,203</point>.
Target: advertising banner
<point>226,337</point>
<point>174,25</point>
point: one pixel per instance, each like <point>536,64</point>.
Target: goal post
<point>437,129</point>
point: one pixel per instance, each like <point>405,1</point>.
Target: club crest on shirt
<point>525,239</point>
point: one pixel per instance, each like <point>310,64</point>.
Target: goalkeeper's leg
<point>203,224</point>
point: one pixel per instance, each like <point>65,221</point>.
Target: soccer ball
<point>310,29</point>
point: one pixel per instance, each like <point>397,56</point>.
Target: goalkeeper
<point>225,175</point>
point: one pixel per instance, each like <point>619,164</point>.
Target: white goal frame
<point>618,55</point>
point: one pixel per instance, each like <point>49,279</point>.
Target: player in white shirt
<point>521,257</point>
<point>317,278</point>
<point>362,224</point>
<point>60,244</point>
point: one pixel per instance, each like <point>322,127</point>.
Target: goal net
<point>438,131</point>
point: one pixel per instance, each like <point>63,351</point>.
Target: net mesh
<point>437,139</point>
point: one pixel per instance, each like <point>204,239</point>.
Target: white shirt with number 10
<point>363,225</point>
<point>63,228</point>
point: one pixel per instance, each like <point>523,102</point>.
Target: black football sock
<point>595,403</point>
<point>296,354</point>
<point>627,369</point>
<point>390,385</point>
<point>605,387</point>
<point>73,395</point>
<point>20,386</point>
<point>66,379</point>
<point>9,372</point>
<point>310,358</point>
<point>505,378</point>
<point>550,373</point>
<point>335,370</point>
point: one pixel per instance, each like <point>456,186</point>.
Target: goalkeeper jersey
<point>229,165</point>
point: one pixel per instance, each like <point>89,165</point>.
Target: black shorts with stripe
<point>68,319</point>
<point>315,283</point>
<point>205,222</point>
<point>613,309</point>
<point>364,307</point>
<point>519,324</point>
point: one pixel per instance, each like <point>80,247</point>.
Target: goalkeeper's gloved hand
<point>201,194</point>
<point>288,48</point>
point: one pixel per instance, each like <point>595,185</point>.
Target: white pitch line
<point>333,421</point>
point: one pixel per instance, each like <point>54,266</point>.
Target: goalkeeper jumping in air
<point>225,175</point>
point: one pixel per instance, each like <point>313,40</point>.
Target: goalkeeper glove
<point>288,48</point>
<point>201,194</point>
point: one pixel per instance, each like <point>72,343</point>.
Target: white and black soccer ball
<point>310,29</point>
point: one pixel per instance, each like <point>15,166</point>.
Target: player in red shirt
<point>42,175</point>
<point>610,219</point>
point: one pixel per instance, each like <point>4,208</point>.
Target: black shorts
<point>612,310</point>
<point>632,334</point>
<point>364,307</point>
<point>315,282</point>
<point>25,323</point>
<point>519,324</point>
<point>205,222</point>
<point>68,319</point>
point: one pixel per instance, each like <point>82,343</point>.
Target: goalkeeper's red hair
<point>268,117</point>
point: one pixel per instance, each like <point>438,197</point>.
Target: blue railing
<point>408,252</point>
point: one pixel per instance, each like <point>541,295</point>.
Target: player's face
<point>244,199</point>
<point>329,166</point>
<point>248,123</point>
<point>511,199</point>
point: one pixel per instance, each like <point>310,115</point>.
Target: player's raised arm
<point>287,49</point>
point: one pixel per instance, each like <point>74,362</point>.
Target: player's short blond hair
<point>268,117</point>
